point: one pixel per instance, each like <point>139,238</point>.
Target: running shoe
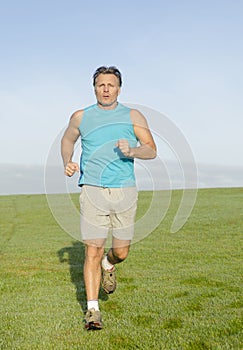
<point>93,320</point>
<point>108,280</point>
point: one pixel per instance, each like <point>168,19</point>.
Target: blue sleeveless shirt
<point>102,163</point>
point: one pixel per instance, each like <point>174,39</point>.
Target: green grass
<point>175,291</point>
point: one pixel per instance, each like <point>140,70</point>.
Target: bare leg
<point>92,269</point>
<point>119,251</point>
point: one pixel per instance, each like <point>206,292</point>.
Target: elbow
<point>151,153</point>
<point>154,153</point>
<point>153,150</point>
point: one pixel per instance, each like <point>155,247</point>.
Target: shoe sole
<point>108,292</point>
<point>92,326</point>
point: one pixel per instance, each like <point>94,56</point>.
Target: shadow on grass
<point>74,256</point>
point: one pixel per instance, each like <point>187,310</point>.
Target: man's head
<point>107,82</point>
<point>107,70</point>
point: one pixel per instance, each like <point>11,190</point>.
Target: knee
<point>94,253</point>
<point>120,254</point>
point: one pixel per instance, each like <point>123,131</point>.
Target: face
<point>107,90</point>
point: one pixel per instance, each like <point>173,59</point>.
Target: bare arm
<point>147,147</point>
<point>69,138</point>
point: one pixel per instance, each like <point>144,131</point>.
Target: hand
<point>71,168</point>
<point>124,147</point>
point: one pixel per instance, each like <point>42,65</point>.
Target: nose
<point>106,88</point>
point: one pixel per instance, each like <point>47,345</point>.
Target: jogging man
<point>112,135</point>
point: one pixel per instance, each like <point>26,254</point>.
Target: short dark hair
<point>107,70</point>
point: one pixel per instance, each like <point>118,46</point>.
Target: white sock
<point>106,264</point>
<point>93,304</point>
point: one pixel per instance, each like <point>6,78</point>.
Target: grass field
<point>175,291</point>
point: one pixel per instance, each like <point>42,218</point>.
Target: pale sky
<point>181,58</point>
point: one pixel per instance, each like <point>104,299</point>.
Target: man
<point>112,135</point>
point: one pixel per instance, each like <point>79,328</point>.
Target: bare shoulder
<point>76,118</point>
<point>138,118</point>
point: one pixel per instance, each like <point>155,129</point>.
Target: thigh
<point>121,244</point>
<point>94,217</point>
<point>123,220</point>
<point>95,242</point>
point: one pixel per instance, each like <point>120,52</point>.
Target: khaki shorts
<point>107,209</point>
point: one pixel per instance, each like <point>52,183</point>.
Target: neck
<point>111,105</point>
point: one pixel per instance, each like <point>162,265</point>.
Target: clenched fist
<point>71,168</point>
<point>124,147</point>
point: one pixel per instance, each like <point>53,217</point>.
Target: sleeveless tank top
<point>102,163</point>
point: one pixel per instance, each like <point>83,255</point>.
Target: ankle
<point>93,304</point>
<point>106,264</point>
